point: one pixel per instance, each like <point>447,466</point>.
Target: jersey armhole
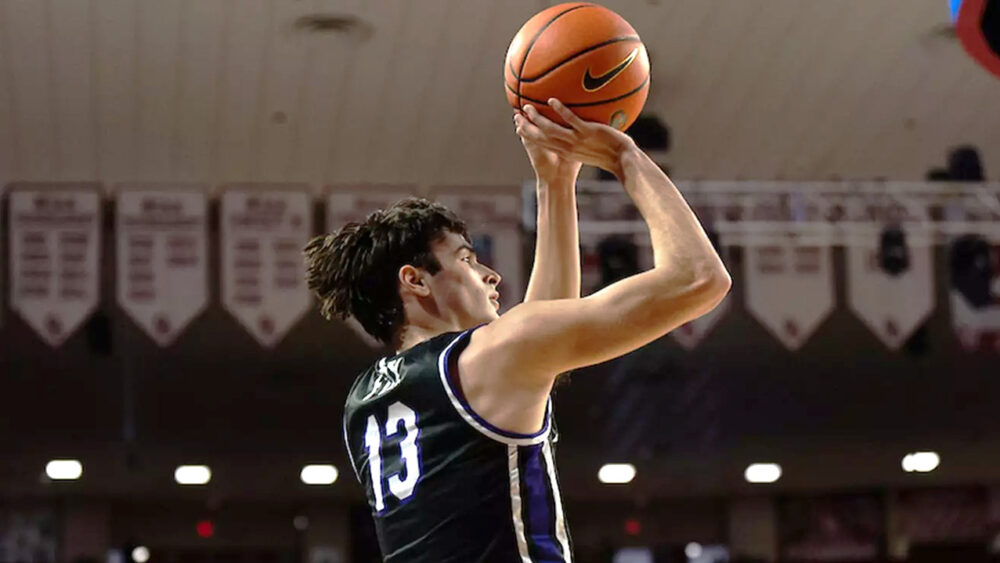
<point>472,418</point>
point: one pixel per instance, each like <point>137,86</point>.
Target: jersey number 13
<point>402,483</point>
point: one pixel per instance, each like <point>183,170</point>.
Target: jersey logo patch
<point>387,377</point>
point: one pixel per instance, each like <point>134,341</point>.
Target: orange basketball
<point>585,55</point>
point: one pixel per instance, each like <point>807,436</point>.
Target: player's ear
<point>413,280</point>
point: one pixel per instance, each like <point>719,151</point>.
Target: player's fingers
<point>564,112</point>
<point>547,125</point>
<point>532,134</point>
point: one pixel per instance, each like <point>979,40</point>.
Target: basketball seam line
<point>573,56</point>
<point>534,39</point>
<point>586,104</point>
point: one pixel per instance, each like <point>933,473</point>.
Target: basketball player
<point>451,436</point>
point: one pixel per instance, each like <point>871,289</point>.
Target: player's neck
<point>412,334</point>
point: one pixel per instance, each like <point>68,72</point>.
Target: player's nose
<point>492,277</point>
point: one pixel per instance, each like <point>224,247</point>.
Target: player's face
<point>464,290</point>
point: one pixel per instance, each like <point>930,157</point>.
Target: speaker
<point>977,25</point>
<point>964,165</point>
<point>893,255</point>
<point>650,133</point>
<point>933,175</point>
<point>972,270</point>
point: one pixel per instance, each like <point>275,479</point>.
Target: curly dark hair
<point>353,271</point>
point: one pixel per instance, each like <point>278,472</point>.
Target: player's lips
<point>495,298</point>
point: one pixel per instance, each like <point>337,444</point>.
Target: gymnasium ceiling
<point>233,90</point>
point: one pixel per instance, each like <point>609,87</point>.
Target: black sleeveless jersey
<point>442,483</point>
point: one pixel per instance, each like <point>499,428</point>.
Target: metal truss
<point>829,213</point>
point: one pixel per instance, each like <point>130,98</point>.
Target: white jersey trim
<point>515,502</point>
<point>471,417</point>
<point>561,534</point>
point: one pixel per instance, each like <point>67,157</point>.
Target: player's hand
<point>551,168</point>
<point>591,143</point>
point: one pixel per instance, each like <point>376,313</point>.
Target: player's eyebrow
<point>465,246</point>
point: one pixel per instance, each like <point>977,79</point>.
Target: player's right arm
<point>535,341</point>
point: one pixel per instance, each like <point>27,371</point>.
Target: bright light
<point>693,550</point>
<point>319,474</point>
<point>64,469</point>
<point>616,473</point>
<point>921,462</point>
<point>193,474</point>
<point>140,554</point>
<point>762,473</point>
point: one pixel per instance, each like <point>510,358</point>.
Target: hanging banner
<point>2,291</point>
<point>352,204</point>
<point>263,231</point>
<point>492,215</point>
<point>162,253</point>
<point>55,258</point>
<point>690,334</point>
<point>346,204</point>
<point>789,289</point>
<point>978,326</point>
<point>892,307</point>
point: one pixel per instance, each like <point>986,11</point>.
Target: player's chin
<point>493,312</point>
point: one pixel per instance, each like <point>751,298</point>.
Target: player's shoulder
<point>388,372</point>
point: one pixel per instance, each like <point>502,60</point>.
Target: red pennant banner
<point>162,252</point>
<point>55,257</point>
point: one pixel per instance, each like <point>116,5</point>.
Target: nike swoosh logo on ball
<point>595,83</point>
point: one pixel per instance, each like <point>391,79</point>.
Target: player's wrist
<point>621,156</point>
<point>558,182</point>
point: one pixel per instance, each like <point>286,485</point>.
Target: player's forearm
<point>681,248</point>
<point>555,273</point>
<point>556,268</point>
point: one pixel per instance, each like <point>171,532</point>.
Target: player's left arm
<point>555,272</point>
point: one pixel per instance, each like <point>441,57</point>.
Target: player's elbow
<point>701,288</point>
<point>715,286</point>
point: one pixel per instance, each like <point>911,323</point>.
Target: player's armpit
<point>535,341</point>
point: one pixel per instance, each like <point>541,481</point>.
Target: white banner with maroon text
<point>978,328</point>
<point>3,293</point>
<point>162,258</point>
<point>492,215</point>
<point>892,307</point>
<point>352,204</point>
<point>263,230</point>
<point>55,256</point>
<point>789,289</point>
